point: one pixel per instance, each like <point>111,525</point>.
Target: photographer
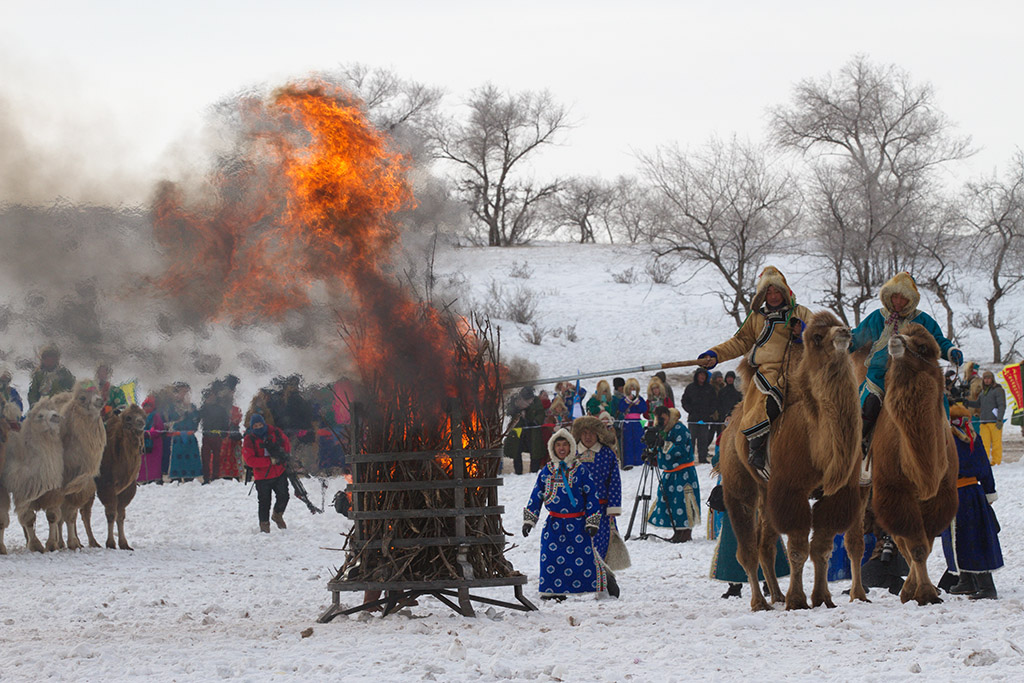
<point>671,448</point>
<point>266,450</point>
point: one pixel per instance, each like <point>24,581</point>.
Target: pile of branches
<point>400,416</point>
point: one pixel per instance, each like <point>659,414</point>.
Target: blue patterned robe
<point>971,543</point>
<point>603,467</point>
<point>567,563</point>
<point>675,454</point>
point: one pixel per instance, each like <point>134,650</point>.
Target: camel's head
<point>43,419</point>
<point>826,334</point>
<point>87,398</point>
<point>134,419</point>
<point>914,343</point>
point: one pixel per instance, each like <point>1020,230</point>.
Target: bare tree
<point>726,206</point>
<point>582,205</point>
<point>938,263</point>
<point>392,101</point>
<point>631,212</point>
<point>884,137</point>
<point>489,152</point>
<point>994,209</point>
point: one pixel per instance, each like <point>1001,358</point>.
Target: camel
<point>815,450</point>
<point>35,466</point>
<point>119,472</point>
<point>914,457</point>
<point>83,437</point>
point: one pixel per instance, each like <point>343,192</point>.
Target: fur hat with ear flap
<point>564,435</point>
<point>605,434</point>
<point>632,384</point>
<point>771,276</point>
<point>901,283</point>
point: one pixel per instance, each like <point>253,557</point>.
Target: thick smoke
<point>84,273</point>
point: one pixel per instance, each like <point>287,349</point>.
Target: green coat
<point>47,383</point>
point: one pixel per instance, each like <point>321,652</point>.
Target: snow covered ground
<point>205,597</point>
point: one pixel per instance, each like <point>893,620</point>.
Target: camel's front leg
<point>853,540</point>
<point>821,551</point>
<point>741,517</point>
<point>87,523</point>
<point>797,551</point>
<point>27,519</point>
<point>122,542</point>
<point>55,539</point>
<point>925,592</point>
<point>766,555</point>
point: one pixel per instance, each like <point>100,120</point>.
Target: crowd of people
<point>185,442</point>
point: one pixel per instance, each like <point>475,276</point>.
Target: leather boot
<point>758,456</point>
<point>279,520</point>
<point>986,588</point>
<point>682,536</point>
<point>265,527</point>
<point>613,586</point>
<point>966,585</point>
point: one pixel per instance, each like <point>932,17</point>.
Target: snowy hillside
<point>626,325</point>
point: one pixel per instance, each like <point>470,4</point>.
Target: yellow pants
<point>992,437</point>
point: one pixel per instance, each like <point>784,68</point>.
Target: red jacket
<point>254,453</point>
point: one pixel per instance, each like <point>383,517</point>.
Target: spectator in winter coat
<point>152,455</point>
<point>899,298</point>
<point>669,394</point>
<point>699,403</point>
<point>656,396</point>
<point>726,399</point>
<point>603,400</point>
<point>991,405</point>
<point>50,377</point>
<point>215,415</point>
<point>266,450</point>
<point>775,321</point>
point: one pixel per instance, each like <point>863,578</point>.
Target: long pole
<point>654,367</point>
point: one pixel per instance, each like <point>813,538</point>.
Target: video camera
<point>653,439</point>
<point>278,455</point>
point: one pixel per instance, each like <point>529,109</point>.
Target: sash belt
<point>966,481</point>
<point>564,515</point>
<point>681,467</point>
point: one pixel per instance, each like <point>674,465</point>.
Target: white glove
<point>991,497</point>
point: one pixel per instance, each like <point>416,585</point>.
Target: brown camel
<point>914,458</point>
<point>815,450</point>
<point>119,472</point>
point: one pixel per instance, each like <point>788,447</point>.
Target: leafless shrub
<point>535,335</point>
<point>660,270</point>
<point>521,271</point>
<point>975,319</point>
<point>627,277</point>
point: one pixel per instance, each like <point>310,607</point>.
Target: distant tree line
<point>852,175</point>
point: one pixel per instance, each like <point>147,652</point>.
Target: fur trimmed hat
<point>562,434</point>
<point>900,283</point>
<point>771,276</point>
<point>604,433</point>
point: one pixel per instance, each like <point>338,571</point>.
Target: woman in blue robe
<point>971,543</point>
<point>568,561</point>
<point>632,408</point>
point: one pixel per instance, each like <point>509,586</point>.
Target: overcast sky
<point>94,94</point>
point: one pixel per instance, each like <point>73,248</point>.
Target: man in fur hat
<point>899,298</point>
<point>775,321</point>
<point>50,377</point>
<point>594,443</point>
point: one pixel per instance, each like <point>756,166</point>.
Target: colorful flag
<point>1011,375</point>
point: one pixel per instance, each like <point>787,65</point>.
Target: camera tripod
<point>644,494</point>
